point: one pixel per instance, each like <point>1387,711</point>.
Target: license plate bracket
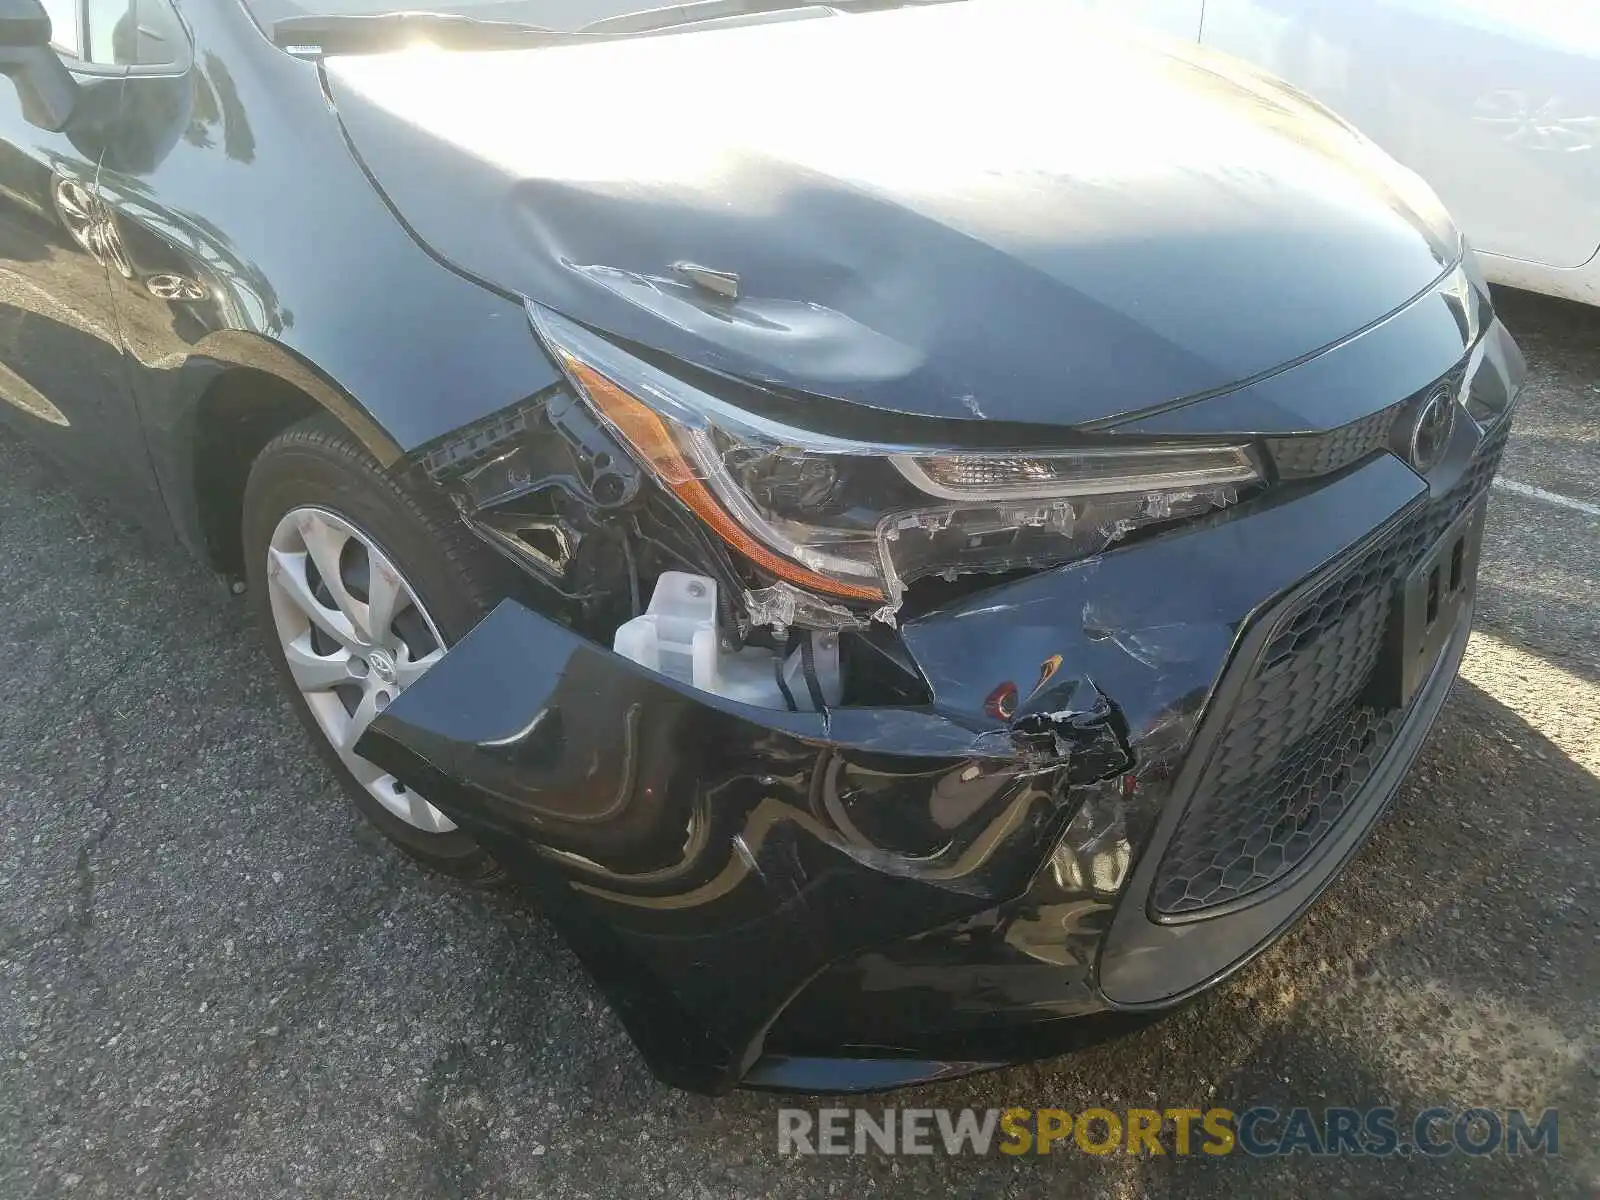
<point>1428,604</point>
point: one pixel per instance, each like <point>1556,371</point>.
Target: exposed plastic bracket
<point>677,636</point>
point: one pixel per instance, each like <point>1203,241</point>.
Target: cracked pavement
<point>214,980</point>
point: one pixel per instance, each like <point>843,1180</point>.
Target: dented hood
<point>983,210</point>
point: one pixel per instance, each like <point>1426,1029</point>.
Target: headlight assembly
<point>857,521</point>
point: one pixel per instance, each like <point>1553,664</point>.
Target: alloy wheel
<point>354,635</point>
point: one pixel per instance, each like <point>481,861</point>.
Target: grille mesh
<point>1302,740</point>
<point>1302,455</point>
<point>1320,453</point>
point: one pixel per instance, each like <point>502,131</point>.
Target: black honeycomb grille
<point>1320,453</point>
<point>1303,738</point>
<point>1303,455</point>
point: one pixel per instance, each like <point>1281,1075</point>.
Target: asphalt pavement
<point>215,981</point>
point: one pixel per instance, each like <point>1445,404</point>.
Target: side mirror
<point>45,86</point>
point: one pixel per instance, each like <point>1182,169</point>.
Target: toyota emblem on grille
<point>1431,434</point>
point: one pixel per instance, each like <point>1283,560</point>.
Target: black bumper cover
<point>874,896</point>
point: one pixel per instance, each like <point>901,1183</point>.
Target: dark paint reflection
<point>217,103</point>
<point>64,382</point>
<point>933,873</point>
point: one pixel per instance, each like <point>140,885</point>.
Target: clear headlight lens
<point>1100,471</point>
<point>859,521</point>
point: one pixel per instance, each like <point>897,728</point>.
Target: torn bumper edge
<point>708,860</point>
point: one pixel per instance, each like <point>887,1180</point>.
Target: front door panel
<point>62,379</point>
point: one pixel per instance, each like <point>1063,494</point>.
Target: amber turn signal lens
<point>654,444</point>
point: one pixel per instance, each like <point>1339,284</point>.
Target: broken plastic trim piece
<point>720,283</point>
<point>784,606</point>
<point>1090,735</point>
<point>474,444</point>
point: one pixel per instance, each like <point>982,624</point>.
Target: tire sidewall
<point>313,474</point>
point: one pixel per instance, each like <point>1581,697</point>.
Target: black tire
<point>456,577</point>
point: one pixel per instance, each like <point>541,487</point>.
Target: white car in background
<point>1496,103</point>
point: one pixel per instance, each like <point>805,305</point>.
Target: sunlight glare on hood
<point>915,102</point>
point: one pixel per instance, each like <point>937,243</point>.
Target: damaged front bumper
<point>1205,726</point>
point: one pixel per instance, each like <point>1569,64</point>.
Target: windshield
<point>564,15</point>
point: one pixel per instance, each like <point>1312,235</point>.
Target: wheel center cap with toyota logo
<point>382,665</point>
<point>1431,434</point>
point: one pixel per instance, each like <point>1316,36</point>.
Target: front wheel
<point>360,585</point>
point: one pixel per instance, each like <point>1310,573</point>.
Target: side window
<point>63,26</point>
<point>135,33</point>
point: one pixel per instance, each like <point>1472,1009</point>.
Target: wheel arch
<point>249,393</point>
